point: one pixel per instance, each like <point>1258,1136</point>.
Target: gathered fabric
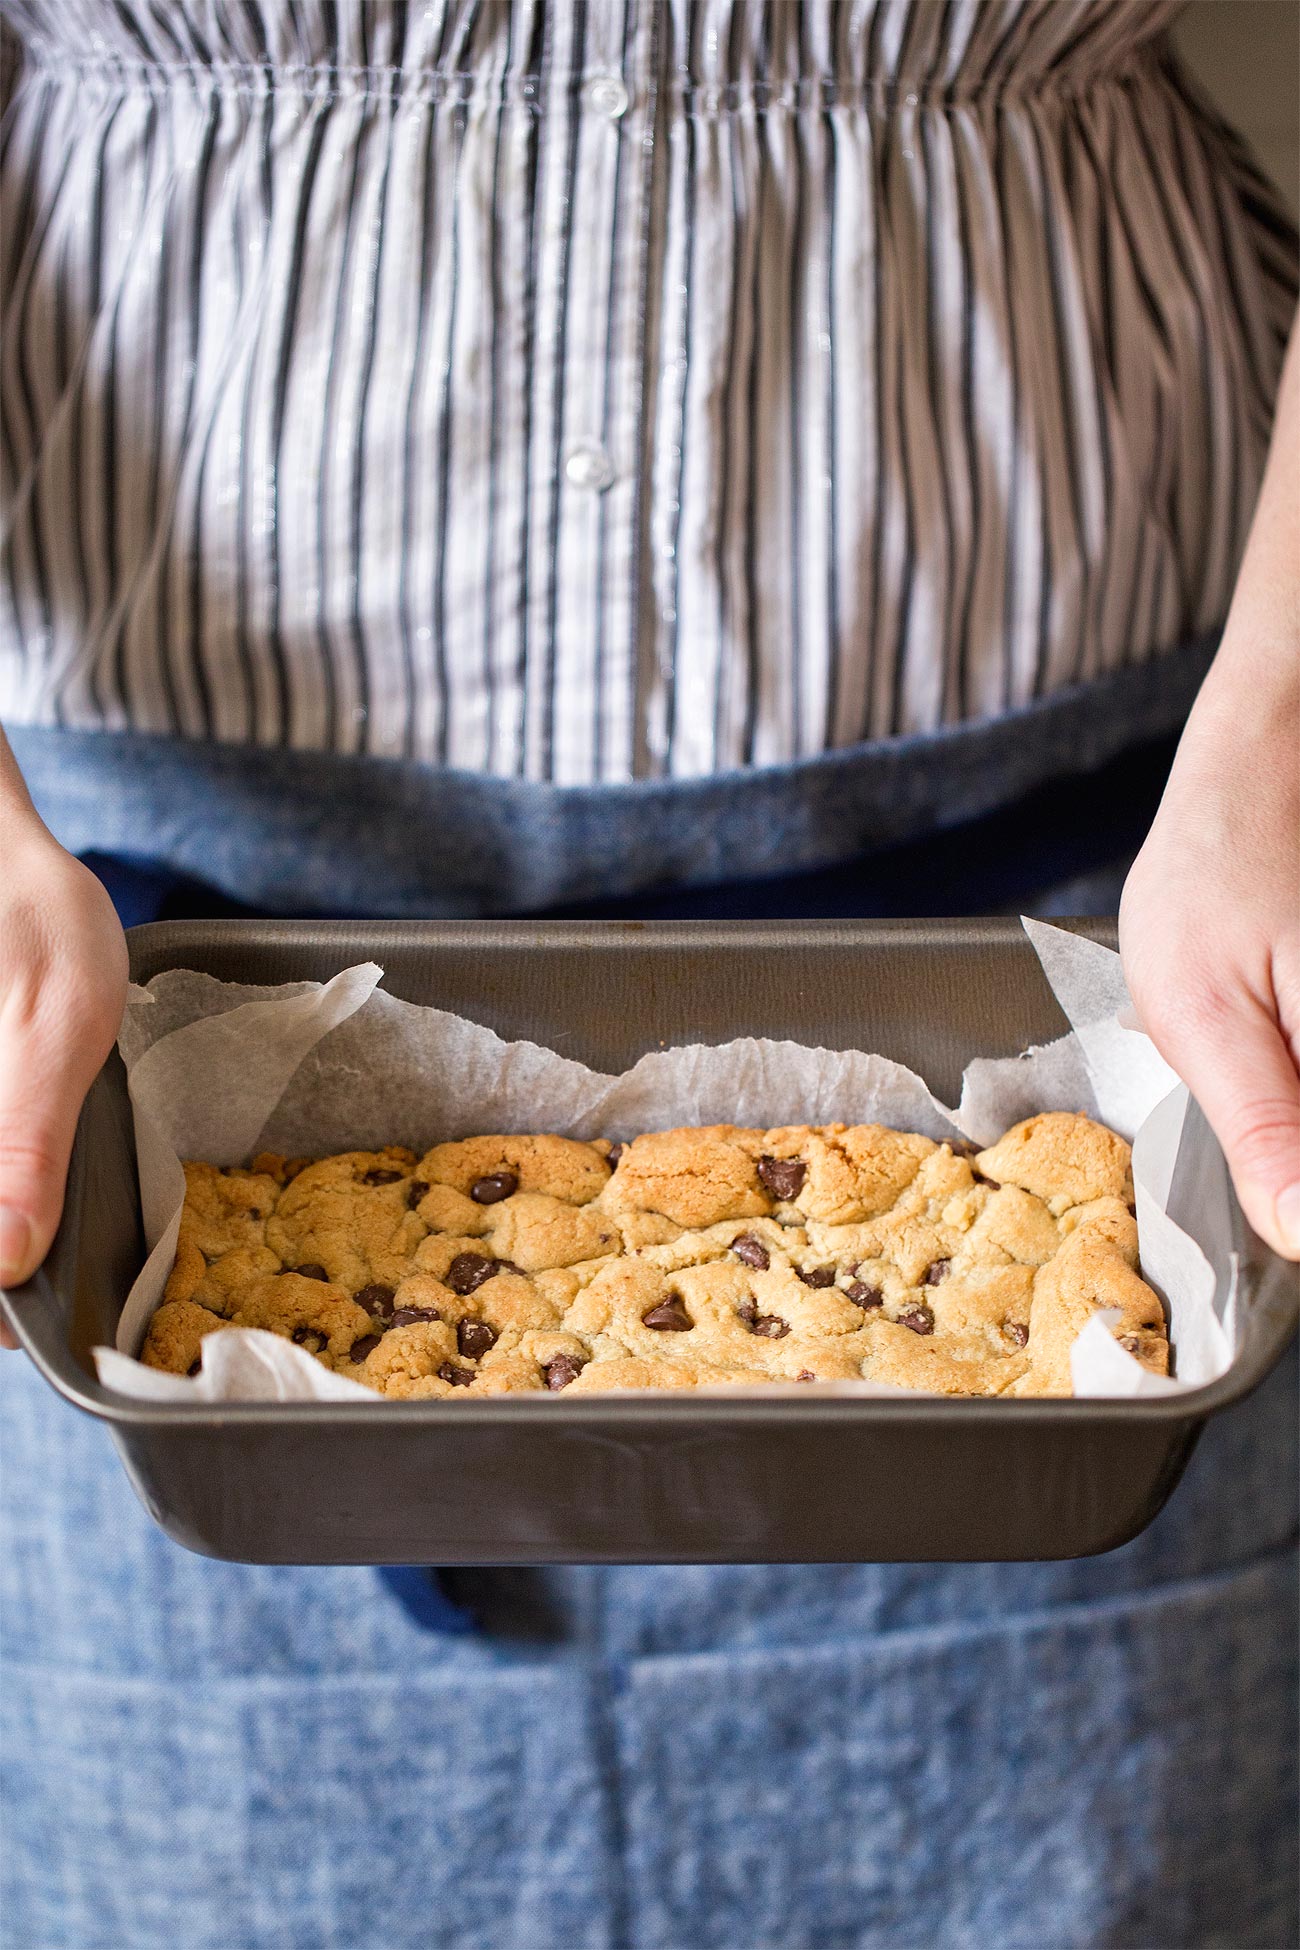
<point>621,391</point>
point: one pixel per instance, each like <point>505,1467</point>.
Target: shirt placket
<point>589,451</point>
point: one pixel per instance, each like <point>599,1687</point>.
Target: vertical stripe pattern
<point>589,390</point>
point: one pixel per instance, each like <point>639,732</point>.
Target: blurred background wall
<point>1246,53</point>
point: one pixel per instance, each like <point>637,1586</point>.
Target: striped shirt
<point>613,390</point>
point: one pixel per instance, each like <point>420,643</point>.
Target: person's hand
<point>1210,919</point>
<point>1210,933</point>
<point>62,991</point>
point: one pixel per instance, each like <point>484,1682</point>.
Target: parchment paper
<point>219,1071</point>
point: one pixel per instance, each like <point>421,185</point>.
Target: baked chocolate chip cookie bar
<point>681,1259</point>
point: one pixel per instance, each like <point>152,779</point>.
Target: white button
<point>607,95</point>
<point>589,466</point>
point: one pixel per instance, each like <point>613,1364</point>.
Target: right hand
<point>63,975</point>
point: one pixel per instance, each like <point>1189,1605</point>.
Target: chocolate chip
<point>980,1179</point>
<point>1132,1211</point>
<point>458,1377</point>
<point>863,1295</point>
<point>313,1270</point>
<point>771,1327</point>
<point>748,1311</point>
<point>669,1317</point>
<point>376,1300</point>
<point>379,1175</point>
<point>919,1319</point>
<point>615,1153</point>
<point>818,1276</point>
<point>783,1176</point>
<point>936,1271</point>
<point>1016,1331</point>
<point>562,1370</point>
<point>309,1338</point>
<point>415,1191</point>
<point>963,1148</point>
<point>366,1345</point>
<point>805,1374</point>
<point>492,1189</point>
<point>468,1271</point>
<point>474,1338</point>
<point>408,1316</point>
<point>752,1251</point>
<point>195,1365</point>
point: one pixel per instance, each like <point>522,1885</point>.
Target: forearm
<point>1257,668</point>
<point>16,809</point>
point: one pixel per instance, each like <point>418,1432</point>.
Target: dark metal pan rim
<point>600,934</point>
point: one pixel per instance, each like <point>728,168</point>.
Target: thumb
<point>1235,1060</point>
<point>42,1084</point>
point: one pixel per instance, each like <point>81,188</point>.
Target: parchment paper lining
<point>221,1070</point>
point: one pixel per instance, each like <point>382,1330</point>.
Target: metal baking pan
<point>628,1479</point>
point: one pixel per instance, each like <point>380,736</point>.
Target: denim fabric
<point>1063,848</point>
<point>306,833</point>
<point>204,1756</point>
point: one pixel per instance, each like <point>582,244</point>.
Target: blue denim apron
<point>206,1756</point>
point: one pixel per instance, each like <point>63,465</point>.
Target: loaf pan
<point>653,1478</point>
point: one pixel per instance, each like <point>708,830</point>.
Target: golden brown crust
<point>287,1303</point>
<point>705,1258</point>
<point>1061,1158</point>
<point>557,1167</point>
<point>350,1214</point>
<point>226,1209</point>
<point>176,1335</point>
<point>692,1178</point>
<point>1091,1272</point>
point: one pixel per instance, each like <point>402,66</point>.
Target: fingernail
<point>1288,1217</point>
<point>15,1245</point>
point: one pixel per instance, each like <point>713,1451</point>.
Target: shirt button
<point>607,95</point>
<point>589,466</point>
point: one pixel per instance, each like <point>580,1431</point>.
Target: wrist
<point>26,842</point>
<point>1254,683</point>
<point>1251,694</point>
<point>19,819</point>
